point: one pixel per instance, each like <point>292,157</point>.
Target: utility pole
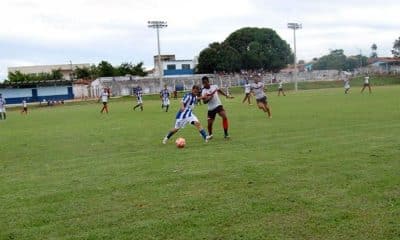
<point>157,25</point>
<point>295,26</point>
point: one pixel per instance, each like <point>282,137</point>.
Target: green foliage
<point>219,57</point>
<point>336,59</point>
<point>130,69</point>
<point>246,48</point>
<point>374,47</point>
<point>396,48</point>
<point>82,73</point>
<point>17,76</point>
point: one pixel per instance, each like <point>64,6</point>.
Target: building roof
<point>383,60</point>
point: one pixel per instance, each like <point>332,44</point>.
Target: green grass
<point>326,166</point>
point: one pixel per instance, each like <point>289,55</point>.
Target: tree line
<point>103,69</point>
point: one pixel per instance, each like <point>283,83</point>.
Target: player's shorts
<point>262,100</point>
<point>25,109</point>
<point>165,102</point>
<point>181,123</point>
<point>211,113</point>
<point>104,103</point>
<point>280,89</point>
<point>139,100</point>
<point>366,84</point>
<point>1,109</point>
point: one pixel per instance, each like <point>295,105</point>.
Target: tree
<point>218,57</point>
<point>130,69</point>
<point>260,48</point>
<point>246,48</point>
<point>373,49</point>
<point>105,69</point>
<point>337,60</point>
<point>82,73</point>
<point>396,48</point>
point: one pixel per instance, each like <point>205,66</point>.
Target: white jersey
<point>213,93</point>
<point>247,88</point>
<point>346,83</point>
<point>104,96</point>
<point>24,104</point>
<point>366,80</point>
<point>2,105</point>
<point>280,85</point>
<point>2,102</point>
<point>258,89</point>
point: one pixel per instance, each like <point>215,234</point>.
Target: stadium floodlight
<point>294,26</point>
<point>157,25</point>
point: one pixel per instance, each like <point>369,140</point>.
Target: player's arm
<point>224,94</point>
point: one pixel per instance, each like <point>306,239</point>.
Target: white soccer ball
<point>180,142</point>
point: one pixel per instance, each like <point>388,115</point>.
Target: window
<point>185,66</point>
<point>171,67</point>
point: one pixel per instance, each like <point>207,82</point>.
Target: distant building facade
<point>66,69</point>
<point>171,66</point>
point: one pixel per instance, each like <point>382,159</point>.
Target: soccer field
<point>326,166</point>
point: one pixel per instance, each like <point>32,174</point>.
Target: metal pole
<point>159,59</point>
<point>295,60</point>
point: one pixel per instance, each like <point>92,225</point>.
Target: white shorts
<point>181,123</point>
<point>165,102</point>
<point>139,100</point>
<point>2,110</point>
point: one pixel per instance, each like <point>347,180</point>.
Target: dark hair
<point>196,87</point>
<point>205,78</point>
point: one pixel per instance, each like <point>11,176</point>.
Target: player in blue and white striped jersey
<point>164,95</point>
<point>139,93</point>
<point>185,115</point>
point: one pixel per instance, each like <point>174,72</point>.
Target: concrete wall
<point>16,95</point>
<point>121,86</point>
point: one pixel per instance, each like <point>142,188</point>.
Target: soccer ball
<point>180,142</point>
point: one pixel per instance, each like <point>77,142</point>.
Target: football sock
<point>169,135</point>
<point>203,133</point>
<point>225,124</point>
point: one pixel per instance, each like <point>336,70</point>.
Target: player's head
<point>195,90</point>
<point>206,82</point>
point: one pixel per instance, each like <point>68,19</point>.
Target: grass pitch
<point>326,166</point>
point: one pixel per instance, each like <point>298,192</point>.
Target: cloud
<point>51,32</point>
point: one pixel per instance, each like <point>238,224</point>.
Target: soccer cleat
<point>227,137</point>
<point>208,138</point>
<point>164,141</point>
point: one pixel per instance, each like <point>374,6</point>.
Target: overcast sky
<point>36,32</point>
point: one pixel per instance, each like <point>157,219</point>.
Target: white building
<point>66,69</point>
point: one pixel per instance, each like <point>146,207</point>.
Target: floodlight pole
<point>294,26</point>
<point>157,25</point>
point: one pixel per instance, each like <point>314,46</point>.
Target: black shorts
<point>25,109</point>
<point>280,89</point>
<point>211,114</point>
<point>105,103</point>
<point>262,100</point>
<point>366,84</point>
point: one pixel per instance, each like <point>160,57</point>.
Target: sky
<point>40,32</point>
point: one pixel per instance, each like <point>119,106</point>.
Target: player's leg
<point>170,134</point>
<point>200,129</point>
<point>369,87</point>
<point>362,90</point>
<point>210,121</point>
<point>225,123</point>
<point>268,109</point>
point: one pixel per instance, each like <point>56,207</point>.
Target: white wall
<point>48,91</point>
<point>16,93</point>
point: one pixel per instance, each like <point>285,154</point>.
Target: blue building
<point>54,90</point>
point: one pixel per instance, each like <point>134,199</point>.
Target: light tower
<point>294,26</point>
<point>157,25</point>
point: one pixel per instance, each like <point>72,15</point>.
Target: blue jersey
<point>164,94</point>
<point>189,101</point>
